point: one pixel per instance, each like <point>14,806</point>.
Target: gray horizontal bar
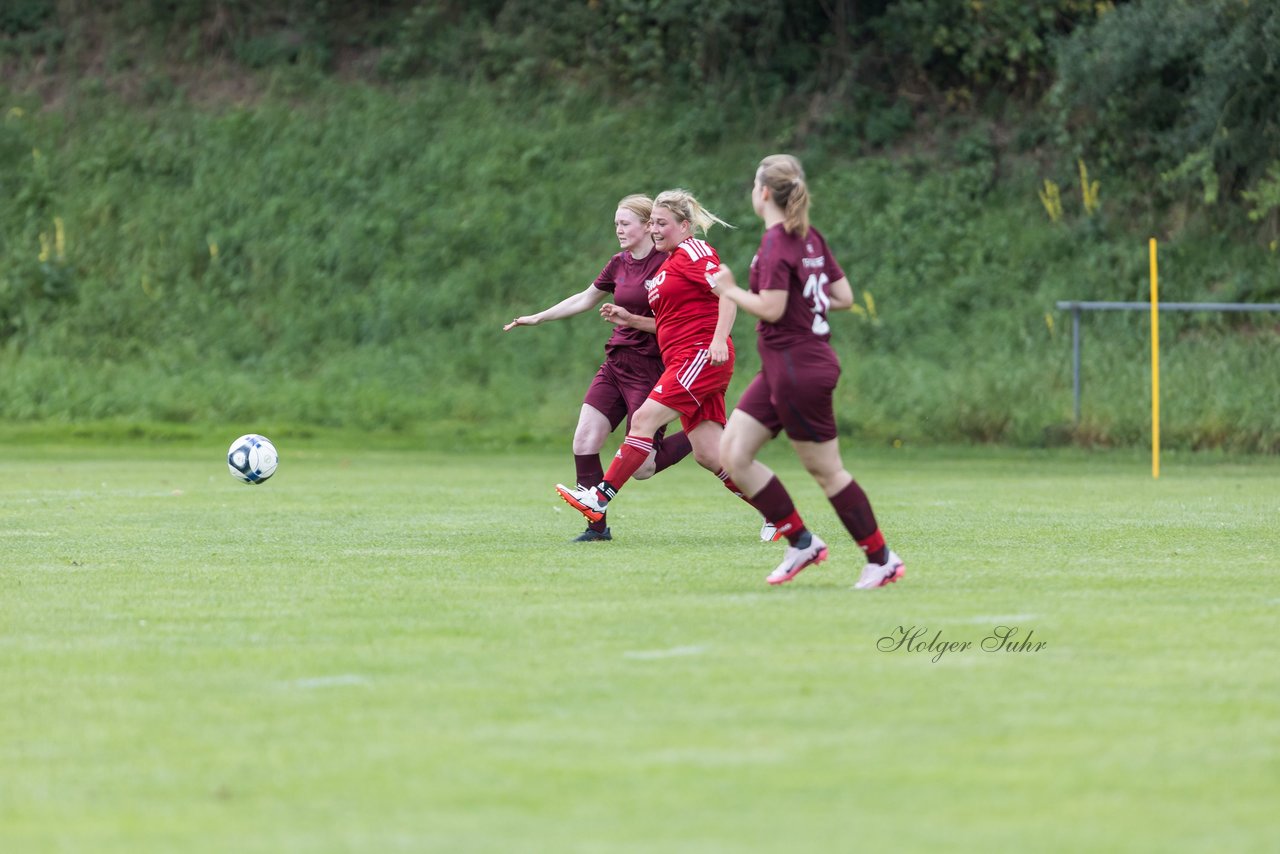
<point>1168,306</point>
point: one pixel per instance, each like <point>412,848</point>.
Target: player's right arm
<point>841,293</point>
<point>567,307</point>
<point>766,305</point>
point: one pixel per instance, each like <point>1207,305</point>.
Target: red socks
<point>634,451</point>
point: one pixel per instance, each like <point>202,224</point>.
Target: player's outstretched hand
<point>525,320</point>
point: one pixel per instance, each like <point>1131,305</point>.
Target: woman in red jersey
<point>794,280</point>
<point>632,362</point>
<point>693,326</point>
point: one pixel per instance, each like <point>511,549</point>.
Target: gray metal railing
<point>1077,306</point>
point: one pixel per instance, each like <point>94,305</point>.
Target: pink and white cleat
<point>797,559</point>
<point>880,574</point>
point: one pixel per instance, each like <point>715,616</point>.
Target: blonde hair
<point>639,204</point>
<point>687,209</point>
<point>784,176</point>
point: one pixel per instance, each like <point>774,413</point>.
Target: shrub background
<point>292,213</point>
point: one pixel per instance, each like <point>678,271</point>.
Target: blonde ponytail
<point>687,209</point>
<point>784,176</point>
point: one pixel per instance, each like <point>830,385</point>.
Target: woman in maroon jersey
<point>632,362</point>
<point>693,326</point>
<point>794,280</point>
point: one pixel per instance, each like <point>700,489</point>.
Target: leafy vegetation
<point>335,236</point>
<point>1179,95</point>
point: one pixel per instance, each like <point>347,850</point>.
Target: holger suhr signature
<point>918,639</point>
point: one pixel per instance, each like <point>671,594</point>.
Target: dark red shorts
<point>622,384</point>
<point>794,391</point>
<point>695,388</point>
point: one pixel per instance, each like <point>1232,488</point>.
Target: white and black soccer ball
<point>252,458</point>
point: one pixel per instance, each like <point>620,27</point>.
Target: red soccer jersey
<point>629,279</point>
<point>684,306</point>
<point>803,267</point>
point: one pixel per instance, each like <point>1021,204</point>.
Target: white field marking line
<point>999,620</point>
<point>327,681</point>
<point>673,652</point>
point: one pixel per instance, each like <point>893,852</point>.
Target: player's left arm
<point>619,316</point>
<point>769,306</point>
<point>841,294</point>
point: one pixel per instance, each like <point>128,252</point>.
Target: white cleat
<point>769,533</point>
<point>880,574</point>
<point>797,559</point>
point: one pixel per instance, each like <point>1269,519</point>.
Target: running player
<point>794,280</point>
<point>693,326</point>
<point>632,362</point>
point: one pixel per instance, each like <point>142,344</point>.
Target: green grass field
<point>400,651</point>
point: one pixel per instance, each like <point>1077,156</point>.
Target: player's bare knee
<point>828,479</point>
<point>588,442</point>
<point>645,426</point>
<point>735,462</point>
<point>707,459</point>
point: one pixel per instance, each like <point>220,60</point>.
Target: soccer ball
<point>252,458</point>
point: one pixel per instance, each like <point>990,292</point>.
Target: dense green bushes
<point>317,252</point>
<point>971,45</point>
<point>1179,95</point>
<point>1171,100</point>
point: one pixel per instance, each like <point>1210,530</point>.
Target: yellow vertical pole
<point>1155,365</point>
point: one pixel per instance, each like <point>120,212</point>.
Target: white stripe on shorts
<point>692,369</point>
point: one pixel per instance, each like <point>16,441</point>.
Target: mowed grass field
<point>388,650</point>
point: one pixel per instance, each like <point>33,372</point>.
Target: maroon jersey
<point>803,267</point>
<point>629,281</point>
<point>684,306</point>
